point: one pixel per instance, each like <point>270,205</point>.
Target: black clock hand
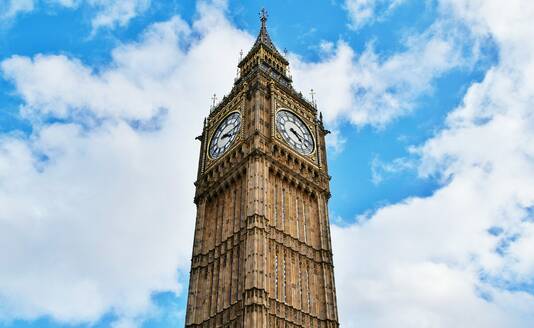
<point>226,135</point>
<point>295,133</point>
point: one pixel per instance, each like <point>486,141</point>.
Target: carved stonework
<point>262,253</point>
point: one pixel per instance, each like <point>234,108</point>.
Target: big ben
<point>262,254</point>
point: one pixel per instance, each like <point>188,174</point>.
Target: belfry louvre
<point>262,254</point>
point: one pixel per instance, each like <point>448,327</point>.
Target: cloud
<point>109,13</point>
<point>335,141</point>
<point>382,170</point>
<point>462,256</point>
<point>62,87</point>
<point>96,204</point>
<point>11,8</point>
<point>371,89</point>
<point>112,12</point>
<point>363,12</point>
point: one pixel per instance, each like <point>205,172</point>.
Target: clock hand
<point>226,135</point>
<point>295,133</point>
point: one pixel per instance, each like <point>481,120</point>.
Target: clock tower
<point>262,255</point>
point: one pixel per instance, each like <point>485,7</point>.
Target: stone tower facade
<point>262,254</point>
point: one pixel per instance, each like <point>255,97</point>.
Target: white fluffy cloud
<point>109,13</point>
<point>96,209</point>
<point>457,257</point>
<point>113,12</point>
<point>369,89</point>
<point>11,8</point>
<point>362,12</point>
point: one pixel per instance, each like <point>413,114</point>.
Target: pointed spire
<point>263,41</point>
<point>263,36</point>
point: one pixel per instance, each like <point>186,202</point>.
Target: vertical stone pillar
<point>255,293</point>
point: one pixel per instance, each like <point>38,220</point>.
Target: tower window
<point>299,282</point>
<point>283,208</point>
<point>230,278</point>
<point>276,276</point>
<point>308,282</point>
<point>284,279</point>
<point>304,212</point>
<point>275,204</point>
<point>297,216</point>
<point>235,205</point>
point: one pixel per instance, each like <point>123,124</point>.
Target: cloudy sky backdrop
<point>432,153</point>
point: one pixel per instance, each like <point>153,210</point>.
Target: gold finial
<point>263,16</point>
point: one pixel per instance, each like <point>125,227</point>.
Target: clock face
<point>224,135</point>
<point>294,132</point>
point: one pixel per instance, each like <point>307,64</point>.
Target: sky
<point>431,153</point>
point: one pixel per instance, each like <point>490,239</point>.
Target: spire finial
<point>214,99</point>
<point>263,16</point>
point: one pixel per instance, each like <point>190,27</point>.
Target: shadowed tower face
<point>262,255</point>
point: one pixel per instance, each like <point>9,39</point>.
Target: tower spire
<point>263,37</point>
<point>263,48</point>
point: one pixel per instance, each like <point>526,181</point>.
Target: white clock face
<point>224,135</point>
<point>294,132</point>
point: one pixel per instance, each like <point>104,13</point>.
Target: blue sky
<point>431,154</point>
